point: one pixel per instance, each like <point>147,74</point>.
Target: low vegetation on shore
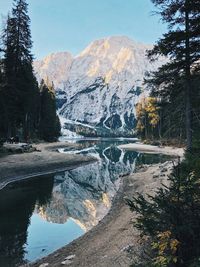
<point>170,219</point>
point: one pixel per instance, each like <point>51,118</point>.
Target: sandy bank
<point>153,149</point>
<point>110,242</point>
<point>48,160</point>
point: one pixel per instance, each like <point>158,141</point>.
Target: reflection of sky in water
<point>46,213</point>
<point>45,237</point>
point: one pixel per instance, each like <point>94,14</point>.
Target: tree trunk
<point>188,113</point>
<point>188,117</point>
<point>25,126</point>
<point>160,125</point>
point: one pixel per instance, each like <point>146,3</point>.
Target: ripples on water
<point>43,214</point>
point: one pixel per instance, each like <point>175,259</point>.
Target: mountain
<point>55,67</point>
<point>98,89</point>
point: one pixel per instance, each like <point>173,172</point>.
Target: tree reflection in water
<point>17,203</point>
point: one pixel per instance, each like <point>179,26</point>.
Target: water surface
<point>40,215</point>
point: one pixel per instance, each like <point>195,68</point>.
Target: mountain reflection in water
<point>40,215</point>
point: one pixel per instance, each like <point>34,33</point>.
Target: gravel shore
<point>45,160</point>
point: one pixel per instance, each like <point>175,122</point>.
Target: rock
<point>105,256</point>
<point>70,257</point>
<point>164,170</point>
<point>66,262</point>
<point>127,248</point>
<point>44,264</point>
<point>19,148</point>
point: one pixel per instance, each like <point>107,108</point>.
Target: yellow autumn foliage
<point>147,112</point>
<point>166,247</point>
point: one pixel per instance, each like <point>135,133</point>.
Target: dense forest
<point>172,112</point>
<point>170,219</point>
<point>27,110</point>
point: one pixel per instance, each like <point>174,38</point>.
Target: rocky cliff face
<point>101,85</point>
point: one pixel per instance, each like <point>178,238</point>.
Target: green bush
<point>171,218</point>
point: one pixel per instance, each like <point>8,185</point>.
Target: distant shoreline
<point>143,148</point>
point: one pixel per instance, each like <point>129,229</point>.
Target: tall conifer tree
<point>2,108</point>
<point>21,86</point>
<point>181,44</point>
<point>49,125</point>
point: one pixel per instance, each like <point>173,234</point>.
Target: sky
<point>70,25</point>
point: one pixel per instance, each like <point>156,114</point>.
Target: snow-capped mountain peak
<point>54,66</point>
<point>102,84</point>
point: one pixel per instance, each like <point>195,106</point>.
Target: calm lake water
<point>43,214</point>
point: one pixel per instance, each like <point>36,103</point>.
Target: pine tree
<point>2,111</point>
<point>49,126</point>
<point>8,89</point>
<point>182,46</point>
<point>25,109</point>
<point>20,84</point>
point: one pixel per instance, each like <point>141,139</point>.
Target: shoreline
<point>47,160</point>
<point>150,149</point>
<point>109,243</point>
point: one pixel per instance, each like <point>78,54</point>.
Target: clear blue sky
<point>70,25</point>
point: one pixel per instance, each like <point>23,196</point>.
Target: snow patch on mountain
<point>101,86</point>
<point>54,67</point>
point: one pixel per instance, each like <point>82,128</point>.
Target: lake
<point>42,214</point>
